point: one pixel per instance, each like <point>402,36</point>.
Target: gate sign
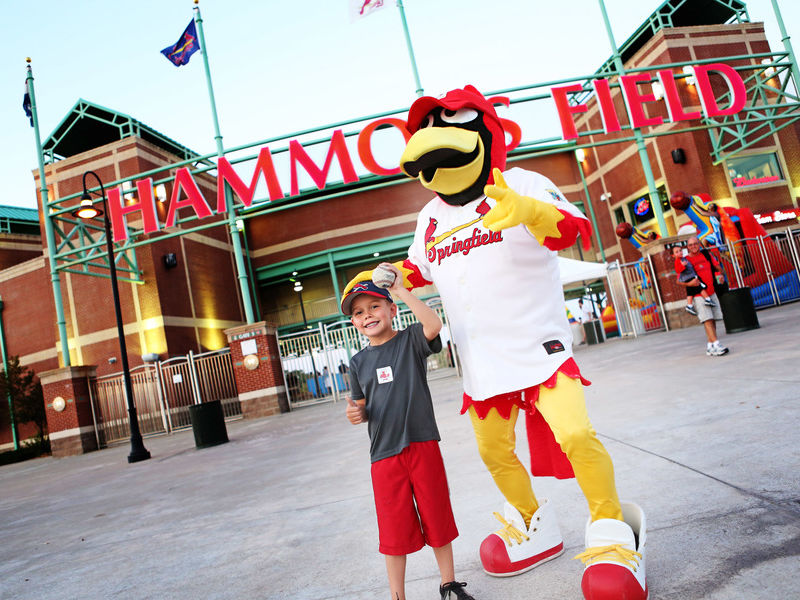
<point>186,193</point>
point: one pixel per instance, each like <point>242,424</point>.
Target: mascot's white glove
<point>512,209</point>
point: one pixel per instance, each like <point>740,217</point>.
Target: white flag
<point>362,8</point>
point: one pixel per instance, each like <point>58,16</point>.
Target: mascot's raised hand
<point>410,277</point>
<point>512,209</point>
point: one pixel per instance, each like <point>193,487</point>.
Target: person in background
<point>686,274</point>
<point>587,315</point>
<point>705,265</point>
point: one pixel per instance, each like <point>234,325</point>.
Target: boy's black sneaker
<point>454,589</point>
<point>708,302</point>
<point>691,310</point>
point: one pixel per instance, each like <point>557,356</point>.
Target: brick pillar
<point>68,409</point>
<point>257,369</point>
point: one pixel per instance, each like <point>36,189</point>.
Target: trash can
<point>738,310</point>
<point>208,424</point>
<point>594,332</point>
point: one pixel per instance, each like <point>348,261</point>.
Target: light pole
<point>88,211</point>
<point>298,287</point>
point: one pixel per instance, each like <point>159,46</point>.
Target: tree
<point>22,385</point>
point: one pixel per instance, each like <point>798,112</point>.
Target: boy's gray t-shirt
<point>392,377</point>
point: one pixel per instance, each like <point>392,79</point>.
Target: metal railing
<point>637,300</point>
<point>768,265</point>
<point>316,363</point>
<point>163,392</point>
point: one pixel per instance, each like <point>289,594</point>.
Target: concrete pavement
<point>707,446</point>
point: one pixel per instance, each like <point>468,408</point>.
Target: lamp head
<point>87,210</point>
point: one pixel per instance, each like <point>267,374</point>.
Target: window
<point>619,215</point>
<point>754,169</point>
<point>641,211</point>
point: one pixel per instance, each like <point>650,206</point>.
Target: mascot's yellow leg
<point>496,441</point>
<point>564,409</point>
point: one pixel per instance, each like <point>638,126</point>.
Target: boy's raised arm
<point>431,323</point>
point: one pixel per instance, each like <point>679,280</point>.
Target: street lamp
<point>298,287</point>
<point>88,211</point>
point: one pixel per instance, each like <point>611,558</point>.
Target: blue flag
<point>26,104</point>
<point>182,50</point>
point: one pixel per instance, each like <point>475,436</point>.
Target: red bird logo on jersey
<point>430,230</point>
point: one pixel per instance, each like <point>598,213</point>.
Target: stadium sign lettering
<point>635,100</point>
<point>186,193</point>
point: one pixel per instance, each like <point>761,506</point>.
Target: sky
<point>281,66</point>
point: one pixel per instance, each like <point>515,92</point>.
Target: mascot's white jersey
<point>501,290</point>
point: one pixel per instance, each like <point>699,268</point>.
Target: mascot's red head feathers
<point>456,141</point>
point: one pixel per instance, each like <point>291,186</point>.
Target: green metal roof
<point>16,213</point>
<point>88,126</point>
<point>679,13</point>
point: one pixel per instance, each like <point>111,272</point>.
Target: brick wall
<point>261,390</point>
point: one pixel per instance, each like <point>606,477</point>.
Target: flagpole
<point>234,231</point>
<point>420,92</point>
<point>48,223</point>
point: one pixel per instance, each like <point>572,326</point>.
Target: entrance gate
<point>326,352</point>
<point>636,298</point>
<point>163,392</point>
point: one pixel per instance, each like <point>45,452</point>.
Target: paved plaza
<point>707,446</point>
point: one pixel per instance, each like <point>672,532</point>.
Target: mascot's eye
<point>427,122</point>
<point>462,115</point>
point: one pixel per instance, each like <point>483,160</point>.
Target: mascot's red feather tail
<point>570,227</point>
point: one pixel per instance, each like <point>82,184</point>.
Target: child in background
<point>686,273</point>
<point>390,393</point>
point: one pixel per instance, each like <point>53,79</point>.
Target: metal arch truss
<point>772,104</point>
<point>82,247</point>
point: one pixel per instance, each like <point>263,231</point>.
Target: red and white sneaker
<point>514,548</point>
<point>615,557</point>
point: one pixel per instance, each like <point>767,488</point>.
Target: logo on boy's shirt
<point>384,374</point>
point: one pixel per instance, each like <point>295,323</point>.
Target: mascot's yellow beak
<point>446,160</point>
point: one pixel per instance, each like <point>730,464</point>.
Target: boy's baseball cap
<point>363,287</point>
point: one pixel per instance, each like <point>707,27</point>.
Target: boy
<point>390,393</point>
<point>687,274</point>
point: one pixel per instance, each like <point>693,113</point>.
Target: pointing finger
<point>498,178</point>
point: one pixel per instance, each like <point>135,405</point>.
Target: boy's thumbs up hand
<point>355,414</point>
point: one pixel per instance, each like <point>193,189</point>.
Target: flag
<point>182,50</point>
<point>363,8</point>
<point>26,104</point>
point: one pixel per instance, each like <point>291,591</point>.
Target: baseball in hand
<point>383,277</point>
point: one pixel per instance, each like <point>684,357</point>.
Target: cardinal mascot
<point>488,241</point>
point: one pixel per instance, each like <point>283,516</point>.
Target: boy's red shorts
<point>412,500</point>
